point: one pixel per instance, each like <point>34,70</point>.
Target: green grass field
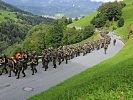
<point>4,15</point>
<point>128,1</point>
<point>84,21</point>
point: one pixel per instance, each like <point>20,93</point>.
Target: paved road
<point>13,89</point>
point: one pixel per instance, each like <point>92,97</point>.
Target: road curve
<point>13,89</point>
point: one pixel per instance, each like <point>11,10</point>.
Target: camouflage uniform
<point>45,62</point>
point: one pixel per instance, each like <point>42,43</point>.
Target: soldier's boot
<point>78,53</point>
<point>66,61</point>
<point>35,70</point>
<point>83,54</point>
<point>59,61</point>
<point>23,73</point>
<point>45,69</point>
<point>72,57</point>
<point>62,59</point>
<point>32,71</point>
<point>54,66</point>
<point>18,74</point>
<point>9,73</point>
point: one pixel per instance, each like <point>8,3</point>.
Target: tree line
<point>11,32</point>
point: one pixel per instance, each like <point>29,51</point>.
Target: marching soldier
<point>105,48</point>
<point>114,42</point>
<point>35,56</point>
<point>54,61</point>
<point>45,62</point>
<point>59,57</point>
<point>66,56</point>
<point>33,65</point>
<point>4,64</point>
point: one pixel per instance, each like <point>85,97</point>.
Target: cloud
<point>105,0</point>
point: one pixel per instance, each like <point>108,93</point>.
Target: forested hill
<point>15,24</point>
<point>11,8</point>
<point>27,17</point>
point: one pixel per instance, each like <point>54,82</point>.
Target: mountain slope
<point>70,8</point>
<point>27,17</point>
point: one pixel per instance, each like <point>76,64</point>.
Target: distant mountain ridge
<point>26,16</point>
<point>70,8</point>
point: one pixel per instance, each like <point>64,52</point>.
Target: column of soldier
<point>18,63</point>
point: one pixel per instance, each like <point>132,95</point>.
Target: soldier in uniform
<point>62,55</point>
<point>54,60</point>
<point>35,56</point>
<point>4,64</point>
<point>66,56</point>
<point>45,62</point>
<point>105,48</point>
<point>59,57</point>
<point>114,42</point>
<point>33,65</point>
<point>12,66</point>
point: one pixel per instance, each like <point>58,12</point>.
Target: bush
<point>99,20</point>
<point>88,31</point>
<point>121,22</point>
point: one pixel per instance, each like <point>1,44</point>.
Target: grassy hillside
<point>128,1</point>
<point>4,15</point>
<point>27,17</point>
<point>84,21</point>
<point>127,14</point>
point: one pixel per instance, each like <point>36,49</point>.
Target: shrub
<point>121,22</point>
<point>99,20</point>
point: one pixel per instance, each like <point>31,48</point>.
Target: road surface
<point>13,89</point>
